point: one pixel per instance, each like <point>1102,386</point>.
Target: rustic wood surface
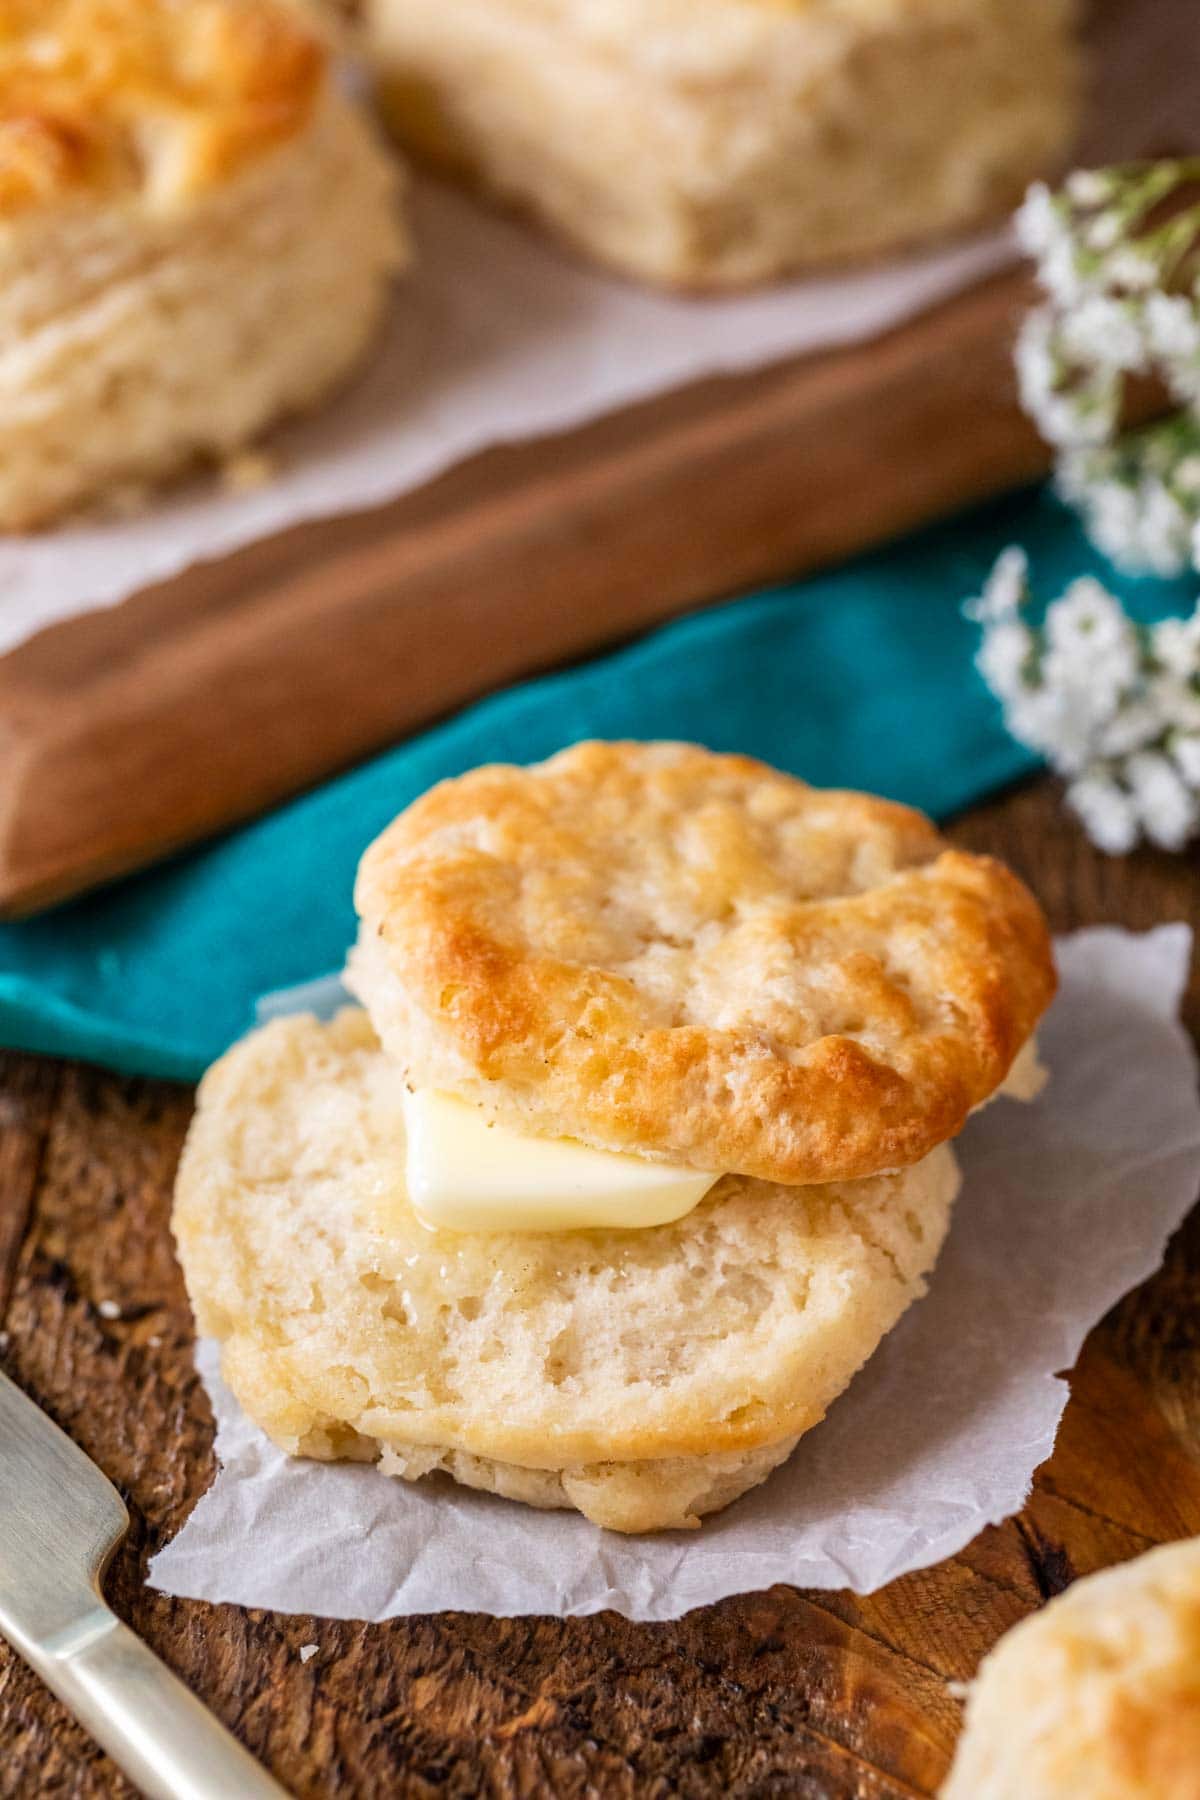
<point>817,1695</point>
<point>128,733</point>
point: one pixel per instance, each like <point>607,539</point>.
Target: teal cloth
<point>859,678</point>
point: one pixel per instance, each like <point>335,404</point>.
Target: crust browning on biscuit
<point>1096,1696</point>
<point>151,99</point>
<point>656,949</point>
<point>642,1377</point>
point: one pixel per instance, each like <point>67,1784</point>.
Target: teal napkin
<point>860,678</point>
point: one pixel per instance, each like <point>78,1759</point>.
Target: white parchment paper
<point>1066,1204</point>
<point>499,336</point>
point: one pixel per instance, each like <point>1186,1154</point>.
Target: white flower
<point>1185,748</point>
<point>1004,591</point>
<point>1089,187</point>
<point>1038,220</point>
<point>1176,702</point>
<point>1106,812</point>
<point>1053,723</point>
<point>1089,624</point>
<point>1002,657</point>
<point>1175,643</point>
<point>1104,331</point>
<point>1167,808</point>
<point>1172,327</point>
<point>1165,537</point>
<point>1069,407</point>
<point>1129,267</point>
<point>1103,231</point>
<point>1131,727</point>
<point>1044,233</point>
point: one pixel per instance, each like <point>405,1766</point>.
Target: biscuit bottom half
<point>642,1377</point>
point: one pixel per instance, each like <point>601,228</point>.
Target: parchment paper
<point>499,336</point>
<point>1066,1204</point>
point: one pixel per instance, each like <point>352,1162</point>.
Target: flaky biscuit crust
<point>584,1362</point>
<point>654,948</point>
<point>1097,1697</point>
<point>155,100</point>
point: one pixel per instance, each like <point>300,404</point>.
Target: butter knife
<point>60,1521</point>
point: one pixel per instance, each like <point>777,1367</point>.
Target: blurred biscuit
<point>197,234</point>
<point>1097,1697</point>
<point>734,141</point>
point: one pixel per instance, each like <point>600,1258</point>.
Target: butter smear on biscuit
<point>464,1172</point>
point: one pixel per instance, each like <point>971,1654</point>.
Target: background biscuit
<point>197,232</point>
<point>1097,1697</point>
<point>727,143</point>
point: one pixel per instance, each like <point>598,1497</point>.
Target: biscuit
<point>643,1377</point>
<point>197,236</point>
<point>655,949</point>
<point>716,145</point>
<point>1097,1697</point>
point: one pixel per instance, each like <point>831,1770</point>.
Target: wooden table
<point>777,1693</point>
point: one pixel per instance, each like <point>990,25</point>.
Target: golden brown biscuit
<point>197,235</point>
<point>1097,1697</point>
<point>641,1376</point>
<point>656,949</point>
<point>716,144</point>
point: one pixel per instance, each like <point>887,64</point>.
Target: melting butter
<point>465,1173</point>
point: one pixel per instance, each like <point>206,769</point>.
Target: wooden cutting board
<point>127,734</point>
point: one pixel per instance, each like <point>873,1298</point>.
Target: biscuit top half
<point>145,100</point>
<point>655,949</point>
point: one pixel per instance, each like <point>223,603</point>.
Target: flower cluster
<point>1118,254</point>
<point>1112,705</point>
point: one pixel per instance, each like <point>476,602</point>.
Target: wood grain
<point>824,1696</point>
<point>128,733</point>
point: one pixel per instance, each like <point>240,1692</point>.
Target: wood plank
<point>126,734</point>
<point>827,1696</point>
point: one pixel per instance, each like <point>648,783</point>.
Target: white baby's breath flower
<point>1055,722</point>
<point>1044,233</point>
<point>1089,187</point>
<point>1130,727</point>
<point>1166,531</point>
<point>1004,591</point>
<point>1185,748</point>
<point>1166,807</point>
<point>1106,812</point>
<point>1176,702</point>
<point>1172,326</point>
<point>1175,643</point>
<point>1071,406</point>
<point>1103,231</point>
<point>1104,331</point>
<point>1112,706</point>
<point>1088,623</point>
<point>1002,656</point>
<point>1129,267</point>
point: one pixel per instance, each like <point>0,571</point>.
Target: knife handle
<point>153,1727</point>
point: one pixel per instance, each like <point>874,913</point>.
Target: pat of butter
<point>465,1173</point>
